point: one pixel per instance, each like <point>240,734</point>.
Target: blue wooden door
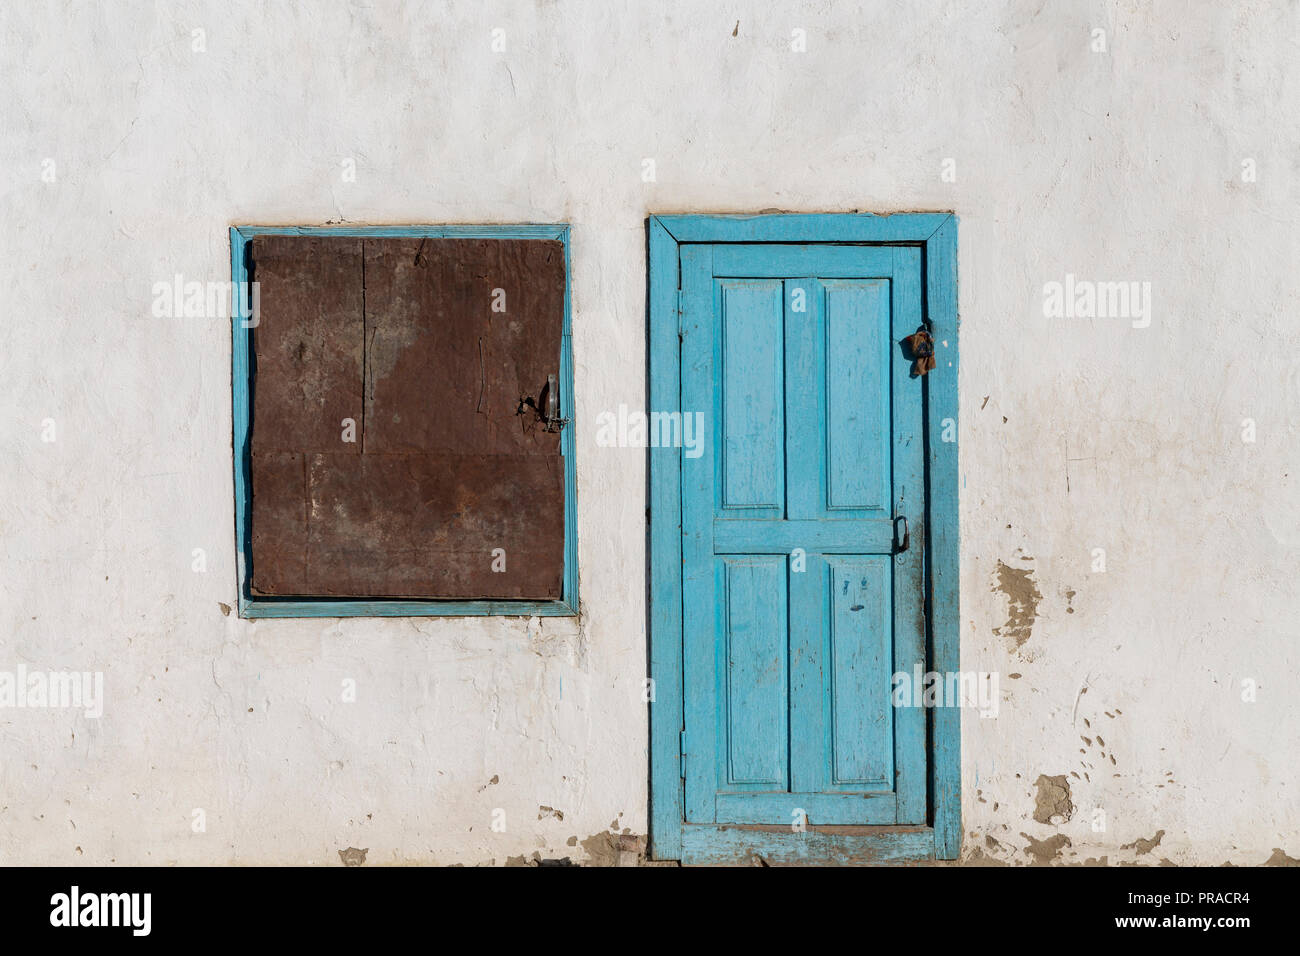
<point>799,604</point>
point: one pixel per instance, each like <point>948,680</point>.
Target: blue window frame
<point>250,606</point>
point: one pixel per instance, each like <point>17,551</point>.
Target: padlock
<point>920,348</point>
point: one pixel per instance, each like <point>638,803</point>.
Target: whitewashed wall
<point>1076,434</point>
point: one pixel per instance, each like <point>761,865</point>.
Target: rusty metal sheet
<point>308,343</point>
<point>307,353</point>
<point>279,526</point>
<point>444,371</point>
<point>427,525</point>
<point>445,337</point>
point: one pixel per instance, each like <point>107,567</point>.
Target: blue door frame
<point>671,836</point>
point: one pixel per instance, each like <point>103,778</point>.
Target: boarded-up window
<point>390,454</point>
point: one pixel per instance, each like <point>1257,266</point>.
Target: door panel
<point>857,356</point>
<point>753,382</point>
<point>859,653</point>
<point>796,609</point>
<point>754,658</point>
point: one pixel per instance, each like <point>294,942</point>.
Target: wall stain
<point>1045,851</point>
<point>601,850</point>
<point>615,849</point>
<point>1022,602</point>
<point>1280,859</point>
<point>1145,846</point>
<point>544,812</point>
<point>1052,802</point>
<point>979,858</point>
<point>352,856</point>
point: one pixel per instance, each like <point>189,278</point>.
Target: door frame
<point>671,838</point>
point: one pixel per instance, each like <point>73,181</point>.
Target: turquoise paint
<point>944,566</point>
<point>759,357</point>
<point>802,228</point>
<point>703,844</point>
<point>762,738</point>
<point>910,500</point>
<point>665,505</point>
<point>241,385</point>
<point>702,604</point>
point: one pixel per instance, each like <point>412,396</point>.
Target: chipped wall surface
<point>132,143</point>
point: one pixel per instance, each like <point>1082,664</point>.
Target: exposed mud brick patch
<point>1145,846</point>
<point>601,850</point>
<point>1045,851</point>
<point>1279,858</point>
<point>1023,597</point>
<point>1052,803</point>
<point>979,858</point>
<point>615,849</point>
<point>352,856</point>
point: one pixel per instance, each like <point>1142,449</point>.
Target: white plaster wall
<point>1111,166</point>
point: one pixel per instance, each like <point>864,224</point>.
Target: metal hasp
<point>901,544</point>
<point>546,406</point>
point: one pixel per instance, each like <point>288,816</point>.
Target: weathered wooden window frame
<point>936,235</point>
<point>250,606</point>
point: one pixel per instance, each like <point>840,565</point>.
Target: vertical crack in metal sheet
<point>365,349</point>
<point>482,376</point>
<point>306,520</point>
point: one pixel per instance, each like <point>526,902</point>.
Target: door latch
<point>900,544</point>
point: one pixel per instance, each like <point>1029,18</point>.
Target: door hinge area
<point>683,747</point>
